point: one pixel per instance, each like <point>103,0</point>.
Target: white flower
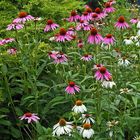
<point>79,107</point>
<point>138,24</point>
<point>52,38</point>
<point>138,33</point>
<point>136,138</point>
<point>123,62</point>
<point>87,118</point>
<point>112,123</point>
<point>138,43</point>
<point>110,133</point>
<point>134,38</point>
<point>108,84</point>
<point>86,131</point>
<point>128,41</point>
<point>62,128</point>
<point>125,90</point>
<point>106,46</point>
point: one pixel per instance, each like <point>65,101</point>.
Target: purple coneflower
<point>71,31</point>
<point>63,36</point>
<point>121,24</point>
<point>72,88</point>
<point>60,58</point>
<point>112,2</point>
<point>95,17</point>
<point>97,66</point>
<point>74,16</point>
<point>85,16</point>
<point>102,74</point>
<point>108,8</point>
<point>7,40</point>
<point>50,26</point>
<point>94,37</point>
<point>100,14</point>
<point>83,25</point>
<point>14,26</point>
<point>53,54</point>
<point>109,39</point>
<point>134,20</point>
<point>86,57</point>
<point>89,10</point>
<point>12,51</point>
<point>23,17</point>
<point>31,117</point>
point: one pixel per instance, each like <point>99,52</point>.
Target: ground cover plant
<point>69,72</point>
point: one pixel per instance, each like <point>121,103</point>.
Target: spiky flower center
<point>121,19</point>
<point>22,14</point>
<point>98,65</point>
<point>62,122</point>
<point>49,22</point>
<point>85,13</point>
<point>87,115</point>
<point>93,31</point>
<point>107,4</point>
<point>94,15</point>
<point>102,70</point>
<point>89,10</point>
<point>86,126</point>
<point>59,56</point>
<point>81,21</point>
<point>86,55</point>
<point>71,83</point>
<point>124,58</point>
<point>98,10</point>
<point>28,114</point>
<point>73,13</point>
<point>63,31</point>
<point>79,102</point>
<point>7,38</point>
<point>109,35</point>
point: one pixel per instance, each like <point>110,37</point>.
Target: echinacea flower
<point>14,26</point>
<point>94,37</point>
<point>128,41</point>
<point>108,84</point>
<point>121,24</point>
<point>95,17</point>
<point>53,54</point>
<point>79,107</point>
<point>89,10</point>
<point>108,8</point>
<point>102,74</point>
<point>23,17</point>
<point>50,26</point>
<point>100,14</point>
<point>87,118</point>
<point>109,39</point>
<point>12,51</point>
<point>123,62</point>
<point>85,16</point>
<point>138,25</point>
<point>71,31</point>
<point>125,90</point>
<point>112,2</point>
<point>7,40</point>
<point>134,20</point>
<point>74,16</point>
<point>83,25</point>
<point>117,52</point>
<point>72,88</point>
<point>31,117</point>
<point>37,19</point>
<point>86,57</point>
<point>60,58</point>
<point>86,131</point>
<point>136,138</point>
<point>97,66</point>
<point>63,36</point>
<point>62,128</point>
<point>112,123</point>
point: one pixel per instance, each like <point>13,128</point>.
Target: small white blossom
<point>128,41</point>
<point>108,84</point>
<point>138,25</point>
<point>123,62</point>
